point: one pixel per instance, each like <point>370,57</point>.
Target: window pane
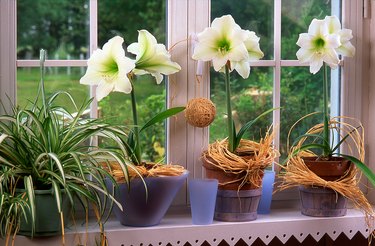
<point>301,94</point>
<point>125,18</point>
<point>56,79</point>
<point>250,98</point>
<point>59,26</point>
<point>296,18</point>
<point>251,15</point>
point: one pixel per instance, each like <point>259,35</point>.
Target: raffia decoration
<point>250,170</point>
<point>200,112</point>
<point>147,170</point>
<point>297,173</point>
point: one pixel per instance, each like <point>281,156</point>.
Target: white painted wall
<point>369,96</point>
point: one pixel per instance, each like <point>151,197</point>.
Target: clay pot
<point>213,172</point>
<point>329,170</point>
<point>233,204</point>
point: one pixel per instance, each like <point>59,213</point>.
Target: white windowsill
<point>177,229</point>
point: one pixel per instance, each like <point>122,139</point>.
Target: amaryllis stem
<point>229,110</point>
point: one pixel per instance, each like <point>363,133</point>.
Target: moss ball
<point>200,112</point>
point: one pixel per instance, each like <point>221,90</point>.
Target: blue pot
<point>146,209</point>
<point>267,190</point>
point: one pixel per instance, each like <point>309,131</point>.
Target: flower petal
<point>345,35</point>
<point>108,68</point>
<point>252,46</point>
<point>225,24</point>
<point>305,41</point>
<point>333,24</point>
<point>158,77</point>
<point>152,57</point>
<point>122,84</point>
<point>346,49</point>
<point>304,55</point>
<point>331,58</point>
<point>225,42</point>
<point>242,68</point>
<point>318,28</point>
<point>103,90</point>
<point>315,64</point>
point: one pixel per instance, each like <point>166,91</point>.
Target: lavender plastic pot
<point>264,206</point>
<point>202,200</point>
<point>146,209</point>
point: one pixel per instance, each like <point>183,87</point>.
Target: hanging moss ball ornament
<point>200,112</point>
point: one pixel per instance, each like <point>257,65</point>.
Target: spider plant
<point>48,148</point>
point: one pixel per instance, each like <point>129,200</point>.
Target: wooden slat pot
<point>320,201</point>
<point>234,204</point>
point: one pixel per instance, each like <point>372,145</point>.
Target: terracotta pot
<point>234,205</point>
<point>213,172</point>
<point>329,170</point>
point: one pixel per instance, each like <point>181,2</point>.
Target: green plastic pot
<point>47,218</point>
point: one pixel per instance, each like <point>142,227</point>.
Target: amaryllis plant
<point>229,48</point>
<point>111,70</point>
<point>323,45</point>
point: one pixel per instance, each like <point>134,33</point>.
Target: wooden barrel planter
<point>233,204</point>
<point>320,201</point>
<point>238,206</point>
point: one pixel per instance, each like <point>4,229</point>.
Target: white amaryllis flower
<point>318,46</point>
<point>151,57</point>
<point>108,68</point>
<point>334,26</point>
<point>254,54</point>
<point>222,42</point>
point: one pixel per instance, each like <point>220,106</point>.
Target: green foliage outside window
<point>61,27</point>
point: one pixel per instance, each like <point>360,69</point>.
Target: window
<point>278,72</point>
<point>67,30</point>
<point>273,80</point>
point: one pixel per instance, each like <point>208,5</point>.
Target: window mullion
<point>93,46</point>
<point>277,71</point>
<point>8,53</point>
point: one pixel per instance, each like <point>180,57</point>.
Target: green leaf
<point>307,136</point>
<point>248,125</point>
<point>57,193</point>
<point>232,145</point>
<point>28,182</point>
<point>343,139</point>
<point>365,169</point>
<point>162,116</point>
<point>312,146</point>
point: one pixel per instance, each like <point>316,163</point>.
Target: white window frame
<point>185,143</point>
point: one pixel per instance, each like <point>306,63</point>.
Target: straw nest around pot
<point>250,170</point>
<point>297,173</point>
<point>146,170</point>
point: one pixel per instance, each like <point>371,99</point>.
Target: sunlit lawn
<point>58,79</point>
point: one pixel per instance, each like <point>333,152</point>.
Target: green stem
<point>137,150</point>
<point>229,110</point>
<point>325,111</point>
